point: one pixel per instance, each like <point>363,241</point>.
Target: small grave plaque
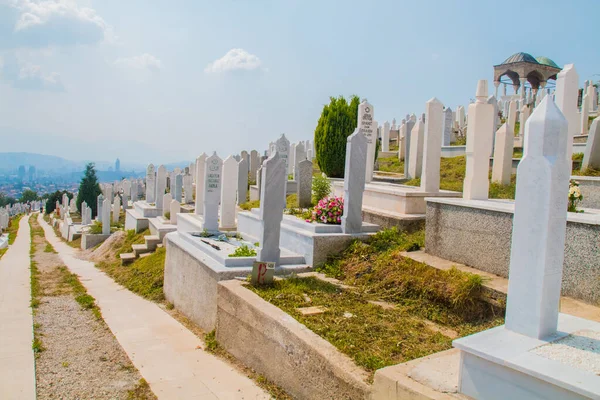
<point>262,273</point>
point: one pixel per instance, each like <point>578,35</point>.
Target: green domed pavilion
<point>523,67</point>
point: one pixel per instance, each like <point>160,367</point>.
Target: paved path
<point>164,351</point>
<point>17,363</point>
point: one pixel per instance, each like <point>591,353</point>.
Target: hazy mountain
<point>10,162</point>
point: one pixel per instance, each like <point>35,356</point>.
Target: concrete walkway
<point>17,363</point>
<point>167,354</point>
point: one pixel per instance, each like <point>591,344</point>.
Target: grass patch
<point>145,276</point>
<point>243,251</point>
<point>428,302</point>
<point>452,176</point>
<point>80,293</point>
<point>36,290</point>
<point>141,391</point>
<point>247,206</point>
<point>291,201</point>
<point>391,164</point>
<point>49,249</point>
<point>586,172</point>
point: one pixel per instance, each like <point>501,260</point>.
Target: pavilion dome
<point>520,57</point>
<point>546,61</point>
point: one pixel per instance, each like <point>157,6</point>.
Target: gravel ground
<point>82,359</point>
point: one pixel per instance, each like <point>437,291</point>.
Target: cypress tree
<point>89,189</point>
<point>338,120</point>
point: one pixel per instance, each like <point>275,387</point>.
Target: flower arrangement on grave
<point>328,211</point>
<point>575,196</point>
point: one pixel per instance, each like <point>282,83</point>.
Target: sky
<point>164,81</point>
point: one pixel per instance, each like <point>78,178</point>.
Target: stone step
<point>152,241</point>
<point>127,258</point>
<point>140,249</point>
<point>145,255</point>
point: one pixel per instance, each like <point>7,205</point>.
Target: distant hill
<point>11,162</point>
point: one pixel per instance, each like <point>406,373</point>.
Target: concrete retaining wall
<point>89,240</point>
<point>268,340</point>
<point>481,238</point>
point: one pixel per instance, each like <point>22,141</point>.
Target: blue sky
<point>163,81</point>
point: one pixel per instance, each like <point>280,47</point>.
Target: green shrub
<point>338,120</point>
<point>321,187</point>
<point>243,251</point>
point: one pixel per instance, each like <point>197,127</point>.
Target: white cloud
<point>144,61</point>
<point>26,75</point>
<point>27,23</point>
<point>235,59</point>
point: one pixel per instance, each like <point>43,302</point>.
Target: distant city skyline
<point>162,82</point>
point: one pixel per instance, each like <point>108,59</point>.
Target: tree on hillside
<point>338,120</point>
<point>28,195</point>
<point>89,189</point>
<point>6,200</point>
<point>53,198</point>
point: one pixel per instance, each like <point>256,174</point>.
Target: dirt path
<point>78,357</point>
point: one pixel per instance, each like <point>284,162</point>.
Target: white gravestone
<point>125,204</point>
<point>272,203</point>
<point>410,124</point>
<point>591,155</point>
<point>432,146</point>
<point>116,209</point>
<point>161,186</point>
<point>150,184</point>
<point>539,225</point>
<point>460,116</point>
<point>503,152</point>
<point>366,126</point>
<point>228,192</point>
<point>566,95</point>
<point>447,128</point>
<point>242,189</point>
<point>304,179</point>
<point>134,192</point>
<point>212,192</point>
<point>254,162</point>
<point>354,182</point>
<point>282,146</point>
<point>300,155</point>
<point>200,175</point>
<point>178,187</point>
<point>167,198</point>
<point>512,116</point>
<point>174,209</point>
<point>401,140</point>
<point>481,121</point>
<point>106,217</point>
<point>259,178</point>
<point>187,188</point>
<point>292,158</point>
<point>415,158</point>
<point>99,205</point>
<point>523,115</point>
<point>494,102</point>
<point>72,206</point>
<point>385,137</point>
<point>585,114</point>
